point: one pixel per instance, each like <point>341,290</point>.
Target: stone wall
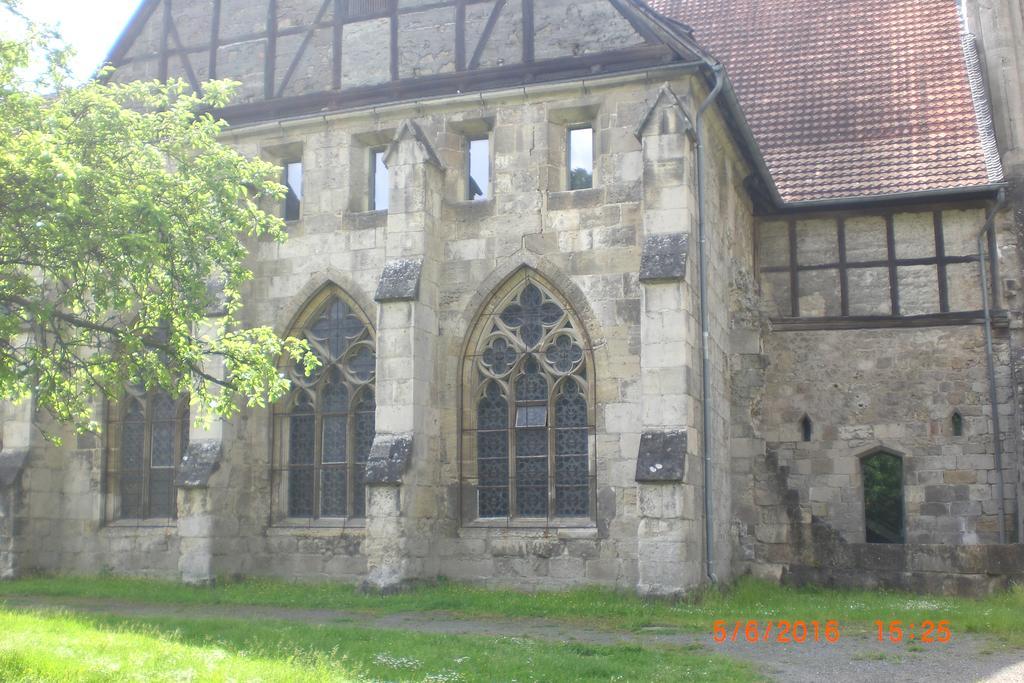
<point>587,244</point>
<point>867,389</point>
<point>972,570</point>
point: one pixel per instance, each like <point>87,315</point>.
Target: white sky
<point>90,26</point>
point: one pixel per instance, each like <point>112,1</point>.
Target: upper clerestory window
<point>380,181</point>
<point>293,183</point>
<point>580,150</point>
<point>479,175</point>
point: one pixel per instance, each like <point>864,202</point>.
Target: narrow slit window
<point>380,182</point>
<point>958,423</point>
<point>883,498</point>
<point>293,182</point>
<point>806,428</point>
<point>581,158</point>
<point>479,169</point>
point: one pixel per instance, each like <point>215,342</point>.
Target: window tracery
<point>530,409</point>
<point>328,420</point>
<point>147,437</point>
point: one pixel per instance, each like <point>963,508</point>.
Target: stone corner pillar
<point>15,444</point>
<point>12,464</point>
<point>197,499</point>
<point>669,539</point>
<point>404,492</point>
<point>196,510</point>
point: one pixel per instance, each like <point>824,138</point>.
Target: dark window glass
<point>479,169</point>
<point>326,477</point>
<point>958,424</point>
<point>154,433</point>
<point>883,498</point>
<point>581,158</point>
<point>806,428</point>
<point>293,182</point>
<point>535,452</point>
<point>380,182</point>
<point>133,445</point>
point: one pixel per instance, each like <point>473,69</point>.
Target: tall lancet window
<point>325,427</point>
<point>148,433</point>
<point>528,451</point>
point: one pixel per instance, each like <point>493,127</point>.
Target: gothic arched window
<point>326,424</point>
<point>528,408</point>
<point>148,435</point>
<point>882,474</point>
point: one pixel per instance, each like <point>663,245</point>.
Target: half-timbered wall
<point>368,51</point>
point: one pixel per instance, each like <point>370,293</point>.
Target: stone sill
<point>365,220</point>
<point>123,527</point>
<point>467,208</point>
<point>576,199</point>
<point>566,531</point>
<point>320,529</point>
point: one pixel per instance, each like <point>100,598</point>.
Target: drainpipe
<point>705,323</point>
<point>997,441</point>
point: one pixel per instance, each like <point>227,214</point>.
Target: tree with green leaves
<point>122,220</point>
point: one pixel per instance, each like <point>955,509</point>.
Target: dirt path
<point>856,657</point>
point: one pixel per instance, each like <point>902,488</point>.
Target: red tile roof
<point>848,98</point>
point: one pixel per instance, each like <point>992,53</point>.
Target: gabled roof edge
<point>679,36</point>
<point>131,31</point>
<point>982,109</point>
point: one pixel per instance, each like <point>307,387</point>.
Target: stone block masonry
<point>833,336</point>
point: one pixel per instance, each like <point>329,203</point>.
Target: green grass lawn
<point>1001,615</point>
<point>63,647</point>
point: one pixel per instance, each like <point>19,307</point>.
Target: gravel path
<point>856,657</point>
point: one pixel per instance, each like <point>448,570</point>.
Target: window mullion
<point>318,445</point>
<point>552,440</point>
<point>147,457</point>
<point>350,468</point>
<point>513,489</point>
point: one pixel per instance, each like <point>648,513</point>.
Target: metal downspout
<point>705,325</point>
<point>997,441</point>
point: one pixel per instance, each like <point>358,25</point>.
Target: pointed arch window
<point>148,435</point>
<point>957,422</point>
<point>882,474</point>
<point>528,449</point>
<point>326,425</point>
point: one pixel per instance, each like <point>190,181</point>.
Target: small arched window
<point>326,425</point>
<point>147,438</point>
<point>806,428</point>
<point>529,408</point>
<point>957,423</point>
<point>882,474</point>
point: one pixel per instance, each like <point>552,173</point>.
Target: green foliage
<point>580,179</point>
<point>883,497</point>
<point>121,225</point>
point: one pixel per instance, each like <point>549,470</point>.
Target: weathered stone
<point>665,257</point>
<point>662,457</point>
<point>400,280</point>
<point>12,464</point>
<point>201,460</point>
<point>389,459</point>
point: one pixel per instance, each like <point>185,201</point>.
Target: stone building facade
<point>594,309</point>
